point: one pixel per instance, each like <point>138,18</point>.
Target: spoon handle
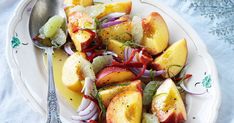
<point>53,107</point>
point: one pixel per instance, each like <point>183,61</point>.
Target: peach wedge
<point>111,75</point>
<point>71,73</point>
<point>156,34</point>
<point>125,107</point>
<point>107,93</point>
<point>173,59</point>
<point>167,104</point>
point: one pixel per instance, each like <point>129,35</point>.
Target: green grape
<point>149,118</point>
<point>52,25</point>
<point>59,38</point>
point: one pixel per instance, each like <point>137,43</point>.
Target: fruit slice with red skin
<point>110,75</point>
<point>156,35</point>
<point>167,104</point>
<point>121,7</point>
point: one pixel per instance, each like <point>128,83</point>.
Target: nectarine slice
<point>125,107</point>
<point>167,104</point>
<point>123,7</point>
<point>156,33</point>
<point>173,59</point>
<point>72,75</point>
<point>107,93</point>
<point>117,47</point>
<point>110,75</point>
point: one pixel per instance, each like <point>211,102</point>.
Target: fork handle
<point>53,107</point>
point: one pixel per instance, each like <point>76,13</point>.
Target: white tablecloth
<point>212,19</point>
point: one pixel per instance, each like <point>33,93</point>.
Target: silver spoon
<point>42,11</point>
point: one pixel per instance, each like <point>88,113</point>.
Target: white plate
<point>29,73</point>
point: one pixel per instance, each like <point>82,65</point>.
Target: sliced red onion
<point>127,53</point>
<point>189,91</point>
<point>84,104</point>
<point>113,16</point>
<point>111,23</point>
<point>147,73</point>
<point>67,48</point>
<point>95,116</point>
<point>87,114</point>
<point>155,73</point>
<point>87,110</point>
<point>88,86</point>
<point>84,117</point>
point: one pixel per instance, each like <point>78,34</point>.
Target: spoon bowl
<point>42,11</point>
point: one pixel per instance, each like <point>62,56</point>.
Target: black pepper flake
<point>60,59</point>
<point>194,117</point>
<point>71,99</point>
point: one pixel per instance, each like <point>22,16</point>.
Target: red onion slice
<point>87,110</point>
<point>111,23</point>
<point>95,116</point>
<point>154,72</point>
<point>67,48</point>
<point>113,16</point>
<point>84,104</point>
<point>127,54</point>
<point>148,73</point>
<point>189,91</point>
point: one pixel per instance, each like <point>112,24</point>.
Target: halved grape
<point>95,10</point>
<point>100,62</point>
<point>149,118</point>
<point>59,38</point>
<point>137,29</point>
<point>52,25</point>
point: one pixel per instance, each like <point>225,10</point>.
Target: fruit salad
<point>123,64</point>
